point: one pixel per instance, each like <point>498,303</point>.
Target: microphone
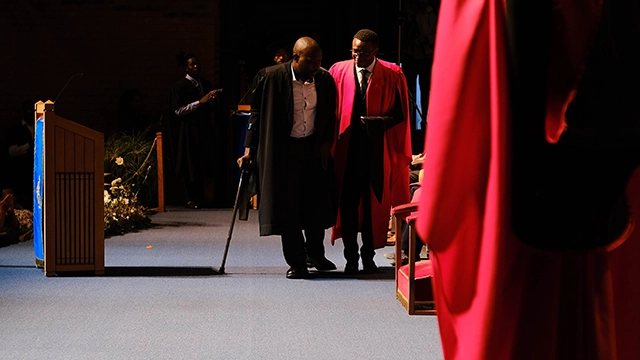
<point>65,85</point>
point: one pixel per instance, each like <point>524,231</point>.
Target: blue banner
<point>38,193</point>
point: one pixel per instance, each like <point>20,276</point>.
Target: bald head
<point>307,57</point>
<point>305,44</point>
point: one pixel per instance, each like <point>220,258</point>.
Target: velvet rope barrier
<point>160,172</point>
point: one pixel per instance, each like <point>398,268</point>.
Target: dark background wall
<point>121,44</point>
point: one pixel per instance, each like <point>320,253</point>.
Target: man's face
<point>281,56</point>
<point>308,63</point>
<point>193,67</point>
<point>363,53</point>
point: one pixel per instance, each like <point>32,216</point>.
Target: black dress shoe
<point>369,266</point>
<point>297,273</point>
<point>192,205</point>
<point>351,268</point>
<point>321,264</point>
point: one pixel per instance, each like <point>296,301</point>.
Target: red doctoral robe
<point>497,298</point>
<point>384,84</point>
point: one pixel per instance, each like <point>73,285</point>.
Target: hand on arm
<point>210,96</point>
<point>7,202</point>
<point>245,162</point>
<point>417,159</point>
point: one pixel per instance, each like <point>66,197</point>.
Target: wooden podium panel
<point>73,204</point>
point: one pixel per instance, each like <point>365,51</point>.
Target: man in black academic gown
<point>289,137</point>
<point>191,125</point>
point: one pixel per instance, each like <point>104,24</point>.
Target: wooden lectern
<point>73,196</point>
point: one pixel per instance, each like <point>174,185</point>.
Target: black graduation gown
<point>192,134</point>
<point>268,132</point>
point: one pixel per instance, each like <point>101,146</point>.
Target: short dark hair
<point>368,36</point>
<point>183,57</point>
<point>281,47</point>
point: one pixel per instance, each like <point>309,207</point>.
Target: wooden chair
<point>413,280</point>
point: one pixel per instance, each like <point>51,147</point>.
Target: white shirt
<point>369,69</point>
<point>305,100</point>
<point>189,108</point>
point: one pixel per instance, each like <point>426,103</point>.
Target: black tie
<point>363,82</point>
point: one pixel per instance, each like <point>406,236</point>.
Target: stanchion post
<point>160,158</point>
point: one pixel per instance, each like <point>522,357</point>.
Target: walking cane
<point>241,186</point>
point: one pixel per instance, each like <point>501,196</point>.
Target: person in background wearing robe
<point>192,129</point>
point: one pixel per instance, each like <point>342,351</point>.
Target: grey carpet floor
<point>162,297</point>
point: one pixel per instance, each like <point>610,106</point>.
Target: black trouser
<point>405,242</point>
<point>356,189</point>
<point>411,69</point>
<point>299,180</point>
<point>295,248</point>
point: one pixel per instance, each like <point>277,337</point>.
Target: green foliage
<point>131,182</point>
<point>137,165</point>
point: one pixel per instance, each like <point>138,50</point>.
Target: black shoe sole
<point>297,275</point>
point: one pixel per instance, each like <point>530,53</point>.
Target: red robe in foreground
<point>397,139</point>
<point>497,298</point>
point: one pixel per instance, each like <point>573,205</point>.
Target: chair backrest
<point>416,195</point>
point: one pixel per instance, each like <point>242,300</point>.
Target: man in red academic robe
<point>373,149</point>
<point>532,180</point>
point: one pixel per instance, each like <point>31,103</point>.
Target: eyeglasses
<point>361,53</point>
